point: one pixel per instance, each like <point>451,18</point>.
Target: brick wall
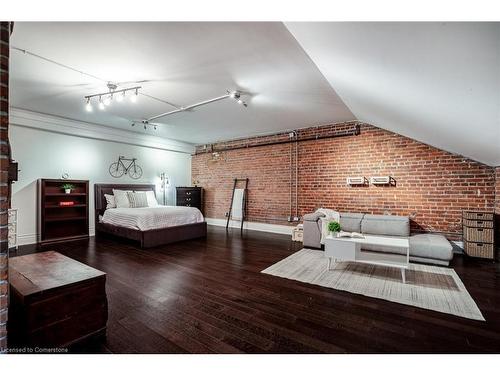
<point>4,162</point>
<point>497,191</point>
<point>432,186</point>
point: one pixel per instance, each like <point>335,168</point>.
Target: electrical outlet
<point>226,214</point>
<point>296,218</point>
<point>289,218</point>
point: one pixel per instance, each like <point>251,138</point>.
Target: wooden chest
<point>55,301</point>
<point>190,197</point>
<point>479,234</point>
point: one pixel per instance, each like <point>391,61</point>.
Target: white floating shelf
<point>359,180</point>
<point>381,180</point>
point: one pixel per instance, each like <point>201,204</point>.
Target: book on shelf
<point>71,203</point>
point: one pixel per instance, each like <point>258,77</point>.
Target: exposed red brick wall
<point>497,191</point>
<point>432,186</point>
<point>4,163</point>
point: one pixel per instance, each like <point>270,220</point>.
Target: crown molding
<point>75,128</point>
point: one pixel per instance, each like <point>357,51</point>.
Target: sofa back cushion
<point>388,225</point>
<point>350,222</point>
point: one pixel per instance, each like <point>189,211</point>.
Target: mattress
<point>147,218</point>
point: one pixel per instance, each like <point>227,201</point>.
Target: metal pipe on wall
<point>346,133</point>
<point>296,175</point>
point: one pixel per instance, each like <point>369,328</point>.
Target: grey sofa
<point>424,248</point>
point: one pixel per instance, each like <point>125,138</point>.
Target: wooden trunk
<point>55,301</point>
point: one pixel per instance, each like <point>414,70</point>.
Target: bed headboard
<point>101,189</point>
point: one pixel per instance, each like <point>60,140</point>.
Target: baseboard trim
<point>33,238</point>
<point>261,227</point>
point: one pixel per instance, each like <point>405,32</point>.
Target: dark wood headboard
<point>101,189</point>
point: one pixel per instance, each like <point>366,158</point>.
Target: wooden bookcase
<point>58,222</point>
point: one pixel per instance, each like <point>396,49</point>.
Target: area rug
<point>429,287</point>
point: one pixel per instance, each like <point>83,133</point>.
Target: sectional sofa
<point>424,248</point>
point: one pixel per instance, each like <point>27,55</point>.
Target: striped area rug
<point>429,287</point>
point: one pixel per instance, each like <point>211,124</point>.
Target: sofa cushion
<point>313,216</point>
<point>351,222</point>
<point>389,225</point>
<point>432,246</point>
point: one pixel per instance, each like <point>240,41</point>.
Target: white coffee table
<point>345,249</point>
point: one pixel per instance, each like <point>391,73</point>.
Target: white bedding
<point>147,218</point>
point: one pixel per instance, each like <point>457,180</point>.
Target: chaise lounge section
<point>424,248</point>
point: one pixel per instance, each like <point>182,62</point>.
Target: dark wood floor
<point>208,296</point>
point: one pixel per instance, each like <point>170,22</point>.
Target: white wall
<point>45,154</point>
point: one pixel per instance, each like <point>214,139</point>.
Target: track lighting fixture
<point>236,95</point>
<point>88,106</point>
<point>145,124</point>
<point>106,98</point>
<point>133,98</point>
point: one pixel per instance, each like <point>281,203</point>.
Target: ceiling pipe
<point>356,130</point>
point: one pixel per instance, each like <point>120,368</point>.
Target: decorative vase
<point>67,191</point>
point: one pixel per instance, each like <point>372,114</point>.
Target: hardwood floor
<point>208,296</point>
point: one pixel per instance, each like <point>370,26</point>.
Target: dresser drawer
<point>184,193</point>
<point>479,250</point>
<point>478,215</point>
<point>194,201</point>
<point>478,234</point>
<point>478,223</point>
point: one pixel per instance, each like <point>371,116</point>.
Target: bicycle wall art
<point>125,166</point>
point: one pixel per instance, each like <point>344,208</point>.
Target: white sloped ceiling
<point>438,83</point>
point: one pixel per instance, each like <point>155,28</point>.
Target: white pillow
<point>121,198</point>
<point>152,202</point>
<point>110,201</point>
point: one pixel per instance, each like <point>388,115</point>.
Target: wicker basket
<point>478,223</point>
<point>478,234</point>
<point>480,250</point>
<point>478,215</point>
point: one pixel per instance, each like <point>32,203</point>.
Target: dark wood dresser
<point>479,234</point>
<point>63,217</point>
<point>55,301</point>
<point>190,197</point>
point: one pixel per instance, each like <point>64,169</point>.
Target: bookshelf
<point>63,217</point>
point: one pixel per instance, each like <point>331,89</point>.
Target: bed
<point>146,226</point>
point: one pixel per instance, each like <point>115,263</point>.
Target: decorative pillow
<point>121,198</point>
<point>110,201</point>
<point>152,202</point>
<point>137,200</point>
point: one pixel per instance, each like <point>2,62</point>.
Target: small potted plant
<point>333,227</point>
<point>67,188</point>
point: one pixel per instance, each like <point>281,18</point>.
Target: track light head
<point>101,104</point>
<point>107,100</point>
<point>236,95</point>
<point>88,106</point>
<point>133,98</point>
